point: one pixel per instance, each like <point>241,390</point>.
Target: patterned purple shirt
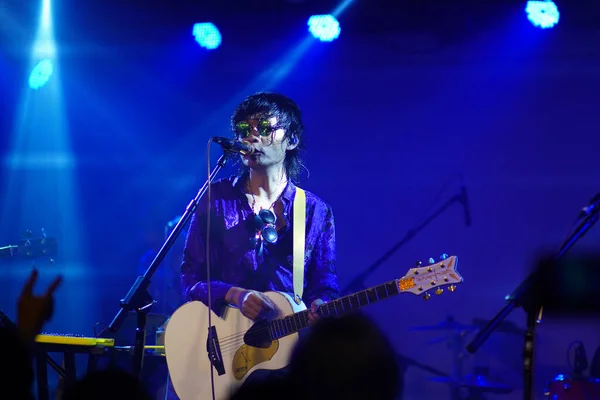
<point>234,262</point>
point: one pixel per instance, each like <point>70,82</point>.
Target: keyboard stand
<point>67,371</point>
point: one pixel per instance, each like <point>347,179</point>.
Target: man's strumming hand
<point>252,304</point>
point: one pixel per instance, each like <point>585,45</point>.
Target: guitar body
<point>186,338</point>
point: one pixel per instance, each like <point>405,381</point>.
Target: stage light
<point>40,74</point>
<point>207,35</point>
<point>542,13</point>
<point>326,28</point>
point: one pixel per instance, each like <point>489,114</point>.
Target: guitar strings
<point>258,332</point>
<point>229,338</point>
<point>234,343</point>
<point>231,341</point>
<point>236,336</point>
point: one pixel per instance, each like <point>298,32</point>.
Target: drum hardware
<point>546,288</point>
<point>476,384</point>
<point>456,334</point>
<point>574,385</point>
<point>454,339</point>
<point>566,387</point>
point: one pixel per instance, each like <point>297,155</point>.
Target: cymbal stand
<point>456,344</point>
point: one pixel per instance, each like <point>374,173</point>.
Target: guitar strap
<point>299,237</point>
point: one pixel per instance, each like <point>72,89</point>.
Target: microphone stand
<point>138,298</point>
<point>532,309</point>
<point>357,283</point>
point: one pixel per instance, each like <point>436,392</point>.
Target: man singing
<point>245,263</point>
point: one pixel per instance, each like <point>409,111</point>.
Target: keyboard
<point>74,340</point>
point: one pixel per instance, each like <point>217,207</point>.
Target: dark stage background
<point>411,97</point>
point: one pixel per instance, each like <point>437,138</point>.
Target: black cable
<point>102,331</point>
<point>569,364</point>
<point>207,252</point>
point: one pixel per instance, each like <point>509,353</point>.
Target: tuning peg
<point>439,291</point>
<point>418,263</point>
<point>444,256</point>
<point>452,288</point>
<point>44,232</point>
<point>426,296</point>
<point>431,260</point>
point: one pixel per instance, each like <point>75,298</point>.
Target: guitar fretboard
<point>293,323</point>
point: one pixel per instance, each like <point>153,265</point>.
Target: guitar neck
<point>8,251</point>
<point>30,248</point>
<point>293,323</point>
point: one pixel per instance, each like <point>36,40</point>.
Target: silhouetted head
<point>345,358</point>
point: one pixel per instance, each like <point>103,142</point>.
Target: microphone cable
<point>207,252</point>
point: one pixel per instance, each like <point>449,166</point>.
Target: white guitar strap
<point>299,237</point>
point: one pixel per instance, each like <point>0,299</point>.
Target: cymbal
<point>451,325</point>
<point>504,327</point>
<point>481,383</point>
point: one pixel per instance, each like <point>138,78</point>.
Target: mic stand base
<point>140,343</point>
<point>140,337</point>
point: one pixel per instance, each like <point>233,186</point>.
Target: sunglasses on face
<point>264,223</point>
<point>264,128</point>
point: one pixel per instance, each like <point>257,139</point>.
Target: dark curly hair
<point>289,118</point>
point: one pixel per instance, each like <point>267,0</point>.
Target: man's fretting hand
<point>313,315</point>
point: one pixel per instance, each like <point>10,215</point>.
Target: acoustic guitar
<point>236,346</point>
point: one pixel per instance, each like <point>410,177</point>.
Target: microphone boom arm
<point>358,282</point>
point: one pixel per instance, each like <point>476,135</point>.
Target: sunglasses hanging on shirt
<point>264,223</point>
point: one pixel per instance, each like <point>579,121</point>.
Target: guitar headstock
<point>31,247</point>
<point>437,275</point>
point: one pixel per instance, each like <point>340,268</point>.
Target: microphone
<point>234,146</point>
<point>591,208</point>
<point>464,199</point>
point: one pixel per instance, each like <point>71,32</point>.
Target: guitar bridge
<point>214,351</point>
